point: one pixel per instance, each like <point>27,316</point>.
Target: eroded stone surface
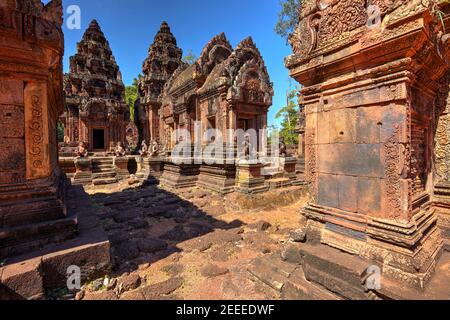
<point>200,256</point>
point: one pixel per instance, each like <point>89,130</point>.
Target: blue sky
<point>131,25</point>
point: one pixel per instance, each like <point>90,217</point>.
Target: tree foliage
<point>289,115</point>
<point>288,17</point>
<point>190,57</point>
<point>131,95</point>
<point>60,131</point>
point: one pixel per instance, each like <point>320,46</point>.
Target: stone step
<point>104,175</point>
<point>99,182</point>
<point>30,209</point>
<point>99,164</point>
<point>5,198</point>
<point>287,279</point>
<point>272,271</point>
<point>298,288</point>
<point>103,168</point>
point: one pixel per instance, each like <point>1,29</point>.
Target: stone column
<point>249,178</point>
<point>32,188</point>
<point>369,94</point>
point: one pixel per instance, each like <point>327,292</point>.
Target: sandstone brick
<point>22,280</point>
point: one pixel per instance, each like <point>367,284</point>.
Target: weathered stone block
<point>342,126</point>
<point>369,195</point>
<point>368,125</point>
<point>328,191</point>
<point>351,159</point>
<point>22,280</point>
<point>11,91</point>
<point>348,193</point>
<point>323,131</point>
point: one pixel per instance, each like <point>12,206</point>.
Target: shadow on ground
<point>146,224</point>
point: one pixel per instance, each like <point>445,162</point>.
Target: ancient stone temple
<point>32,188</point>
<point>225,89</point>
<point>33,192</point>
<point>237,93</point>
<point>375,91</point>
<point>164,57</point>
<point>95,109</point>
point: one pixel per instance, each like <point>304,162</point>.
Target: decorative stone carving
<point>132,136</point>
<point>164,57</point>
<point>144,149</point>
<point>369,94</point>
<point>95,107</point>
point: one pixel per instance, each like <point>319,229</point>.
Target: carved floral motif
<point>392,172</point>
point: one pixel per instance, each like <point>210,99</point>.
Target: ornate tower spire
<point>95,92</point>
<point>164,57</point>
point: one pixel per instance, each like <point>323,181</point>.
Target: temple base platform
<point>77,241</point>
<point>305,271</point>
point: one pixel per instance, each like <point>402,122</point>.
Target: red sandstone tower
<point>96,111</point>
<point>164,57</point>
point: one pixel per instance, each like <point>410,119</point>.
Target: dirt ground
<point>189,245</point>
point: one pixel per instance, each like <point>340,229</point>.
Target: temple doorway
<point>98,139</point>
<point>243,124</point>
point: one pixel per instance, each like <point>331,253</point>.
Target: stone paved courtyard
<point>194,245</point>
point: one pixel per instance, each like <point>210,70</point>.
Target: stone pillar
<point>83,173</point>
<point>442,162</point>
<point>369,95</point>
<point>152,168</point>
<point>249,178</point>
<point>40,236</point>
<point>30,104</point>
<point>121,165</point>
<point>288,165</point>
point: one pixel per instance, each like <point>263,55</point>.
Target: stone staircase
<point>103,171</point>
<point>287,279</point>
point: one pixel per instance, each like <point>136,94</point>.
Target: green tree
<point>190,57</point>
<point>131,95</point>
<point>60,131</point>
<point>289,115</point>
<point>288,17</point>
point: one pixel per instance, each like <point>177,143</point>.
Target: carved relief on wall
<point>36,131</point>
<point>442,137</point>
<point>337,19</point>
<point>392,150</point>
<point>252,89</point>
<point>132,135</point>
<point>167,111</point>
<point>311,166</point>
<point>327,21</point>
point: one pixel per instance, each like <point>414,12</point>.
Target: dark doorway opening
<point>243,124</point>
<point>99,139</point>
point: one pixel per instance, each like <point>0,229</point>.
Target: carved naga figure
<point>144,149</point>
<point>155,149</point>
